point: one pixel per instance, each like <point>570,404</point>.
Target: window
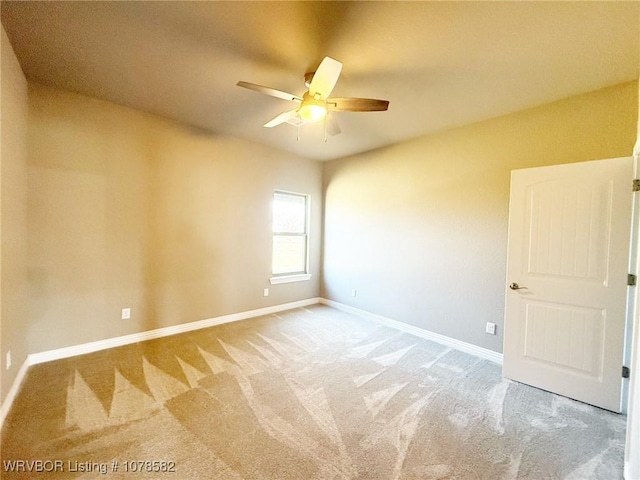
<point>290,237</point>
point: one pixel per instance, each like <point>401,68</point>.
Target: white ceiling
<point>440,64</point>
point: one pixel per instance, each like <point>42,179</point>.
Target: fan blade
<point>325,78</point>
<point>283,117</point>
<point>332,126</point>
<point>357,105</point>
<point>270,91</point>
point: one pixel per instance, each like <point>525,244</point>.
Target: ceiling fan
<point>315,104</point>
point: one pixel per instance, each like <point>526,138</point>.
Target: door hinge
<point>636,185</point>
<point>626,372</point>
<point>631,280</point>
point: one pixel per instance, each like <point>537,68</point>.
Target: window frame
<point>288,277</point>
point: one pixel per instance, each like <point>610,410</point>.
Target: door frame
<point>633,298</point>
<point>632,385</point>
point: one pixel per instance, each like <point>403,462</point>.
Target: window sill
<point>301,277</point>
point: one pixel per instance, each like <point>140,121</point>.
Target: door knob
<point>515,286</point>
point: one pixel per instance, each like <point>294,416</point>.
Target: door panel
<point>564,337</point>
<point>569,232</point>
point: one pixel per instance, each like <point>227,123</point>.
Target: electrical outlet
<point>354,292</point>
<point>490,328</point>
<point>8,363</point>
<point>126,313</point>
<point>265,292</point>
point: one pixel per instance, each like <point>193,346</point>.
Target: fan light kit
<point>315,104</point>
<point>312,110</point>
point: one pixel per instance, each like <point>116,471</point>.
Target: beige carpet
<point>306,394</point>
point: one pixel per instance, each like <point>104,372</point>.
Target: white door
<point>567,265</point>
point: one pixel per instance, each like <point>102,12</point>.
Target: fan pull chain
<point>298,135</point>
<point>325,127</point>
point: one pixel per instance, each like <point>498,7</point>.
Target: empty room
<point>319,240</point>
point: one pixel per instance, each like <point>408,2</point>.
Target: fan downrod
<point>307,78</point>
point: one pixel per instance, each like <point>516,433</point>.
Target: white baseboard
<point>13,391</point>
<point>90,347</point>
<point>419,332</point>
<point>98,345</point>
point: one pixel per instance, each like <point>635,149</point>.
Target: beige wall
<point>420,229</point>
<point>130,210</point>
<point>13,166</point>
